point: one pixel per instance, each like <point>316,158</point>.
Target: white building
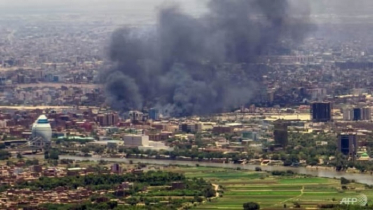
<point>136,115</point>
<point>348,114</point>
<point>142,142</point>
<point>41,130</point>
<point>317,93</point>
<point>131,140</point>
<point>155,145</point>
<point>366,113</point>
<point>3,123</point>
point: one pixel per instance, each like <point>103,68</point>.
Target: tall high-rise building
<point>271,96</point>
<point>347,144</point>
<point>112,119</point>
<point>357,114</point>
<point>348,114</point>
<point>317,93</point>
<point>109,119</point>
<point>190,127</point>
<point>102,120</point>
<point>154,114</point>
<point>281,132</point>
<point>366,113</point>
<point>136,116</point>
<point>321,112</point>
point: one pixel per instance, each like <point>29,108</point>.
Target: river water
<point>361,178</point>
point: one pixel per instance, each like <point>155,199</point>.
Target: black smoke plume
<point>187,65</point>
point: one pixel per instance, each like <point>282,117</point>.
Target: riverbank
<point>222,161</point>
<point>326,173</point>
<point>255,163</point>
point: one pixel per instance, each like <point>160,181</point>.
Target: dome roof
<point>42,120</point>
<point>42,128</point>
<point>42,117</point>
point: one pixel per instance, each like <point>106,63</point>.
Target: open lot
<point>272,192</point>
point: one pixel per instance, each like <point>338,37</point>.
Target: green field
<point>271,192</point>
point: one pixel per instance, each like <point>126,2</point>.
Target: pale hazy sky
<point>74,3</point>
<point>93,5</point>
<point>336,6</point>
<point>58,2</point>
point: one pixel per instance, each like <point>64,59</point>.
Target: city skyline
<point>180,104</point>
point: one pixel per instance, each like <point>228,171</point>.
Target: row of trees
<point>4,155</point>
<point>251,206</point>
<point>52,154</point>
<point>152,178</point>
<point>150,203</point>
<point>194,154</point>
<point>86,205</point>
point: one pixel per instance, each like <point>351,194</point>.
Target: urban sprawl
<point>63,146</point>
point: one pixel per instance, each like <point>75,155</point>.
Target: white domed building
<point>41,133</point>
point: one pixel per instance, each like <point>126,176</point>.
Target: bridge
<point>34,144</point>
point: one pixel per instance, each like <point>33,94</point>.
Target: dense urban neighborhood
<point>230,105</point>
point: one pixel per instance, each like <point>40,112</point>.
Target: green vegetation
<point>301,146</point>
<point>344,181</point>
<point>52,154</point>
<point>98,206</point>
<point>152,190</point>
<point>113,205</point>
<point>30,162</point>
<point>282,173</point>
<point>153,178</point>
<point>4,155</point>
<point>251,206</point>
<point>273,190</point>
<point>93,148</point>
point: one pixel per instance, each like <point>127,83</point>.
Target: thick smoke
<point>187,65</point>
